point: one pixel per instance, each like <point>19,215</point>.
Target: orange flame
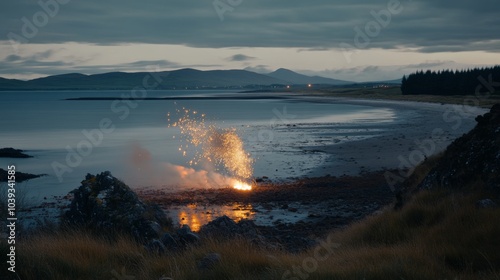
<point>242,186</point>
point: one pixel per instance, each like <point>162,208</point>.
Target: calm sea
<point>280,134</point>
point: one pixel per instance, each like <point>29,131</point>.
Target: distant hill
<point>10,83</point>
<point>177,79</point>
<point>296,78</point>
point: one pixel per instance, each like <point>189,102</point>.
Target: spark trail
<point>221,147</point>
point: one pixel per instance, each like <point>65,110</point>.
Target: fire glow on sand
<point>220,147</point>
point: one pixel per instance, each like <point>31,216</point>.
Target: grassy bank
<point>437,235</point>
<point>394,93</point>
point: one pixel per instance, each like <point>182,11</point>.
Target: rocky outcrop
<point>106,205</point>
<point>13,153</point>
<point>471,161</point>
<point>20,176</point>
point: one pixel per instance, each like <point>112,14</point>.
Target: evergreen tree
<point>446,82</point>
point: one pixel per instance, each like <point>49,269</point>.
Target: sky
<point>354,40</point>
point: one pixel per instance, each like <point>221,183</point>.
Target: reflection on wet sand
<point>195,215</point>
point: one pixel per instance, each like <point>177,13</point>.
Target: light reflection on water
<point>196,215</point>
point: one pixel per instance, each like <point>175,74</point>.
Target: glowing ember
<point>221,147</point>
<point>242,186</point>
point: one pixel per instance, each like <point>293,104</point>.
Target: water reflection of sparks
<point>195,215</point>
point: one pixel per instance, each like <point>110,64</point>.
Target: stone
<point>156,227</point>
<point>190,238</point>
<point>220,227</point>
<point>185,229</point>
<point>224,227</point>
<point>105,204</point>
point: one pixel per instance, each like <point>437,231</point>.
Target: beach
<point>420,131</point>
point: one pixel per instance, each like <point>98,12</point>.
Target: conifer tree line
<point>447,82</point>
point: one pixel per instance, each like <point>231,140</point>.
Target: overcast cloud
<point>424,27</point>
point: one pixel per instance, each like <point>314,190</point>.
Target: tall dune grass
<point>437,235</point>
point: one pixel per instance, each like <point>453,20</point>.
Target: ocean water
<point>143,150</point>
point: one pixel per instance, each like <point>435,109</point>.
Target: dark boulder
<point>186,236</point>
<point>190,238</point>
<point>106,205</point>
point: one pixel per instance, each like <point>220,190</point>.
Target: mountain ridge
<point>185,78</point>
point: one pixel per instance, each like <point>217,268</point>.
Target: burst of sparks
<point>221,146</point>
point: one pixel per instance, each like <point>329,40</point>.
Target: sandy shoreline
<point>420,129</point>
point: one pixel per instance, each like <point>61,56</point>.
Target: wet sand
<point>420,130</point>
